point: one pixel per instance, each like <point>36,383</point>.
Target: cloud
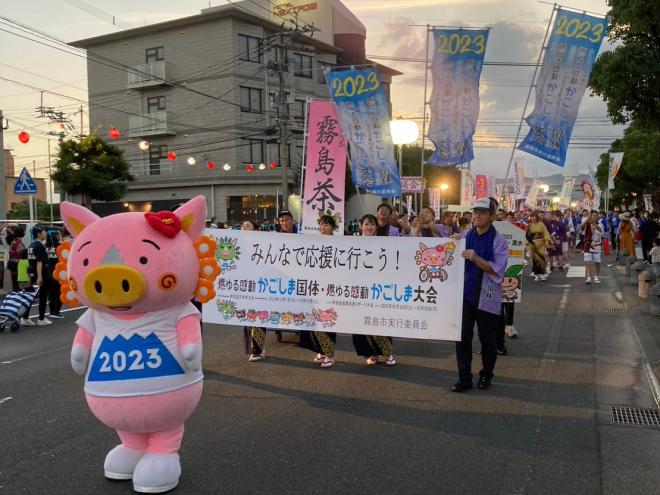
<point>389,5</point>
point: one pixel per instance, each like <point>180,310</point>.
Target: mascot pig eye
<point>144,260</point>
<point>85,262</point>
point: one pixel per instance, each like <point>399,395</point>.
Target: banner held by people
<point>515,238</point>
<point>363,111</point>
<point>569,58</point>
<point>519,178</point>
<point>404,288</point>
<point>457,62</point>
<point>325,167</point>
<point>566,191</point>
<point>533,193</point>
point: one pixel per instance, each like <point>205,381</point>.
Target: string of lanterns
<point>113,133</point>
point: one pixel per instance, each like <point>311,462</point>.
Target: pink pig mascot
<point>139,343</point>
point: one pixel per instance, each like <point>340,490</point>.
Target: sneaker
<point>513,333</point>
<point>56,316</point>
<point>44,322</point>
<point>390,361</point>
<point>596,280</point>
<point>502,350</point>
<point>544,277</point>
<point>483,383</point>
<point>536,278</point>
<point>327,362</point>
<point>372,361</point>
<point>27,322</point>
<point>588,281</point>
<point>257,357</point>
<point>462,387</point>
<point>319,358</point>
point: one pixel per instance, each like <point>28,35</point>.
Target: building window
<point>250,100</point>
<point>157,153</point>
<point>259,208</point>
<point>249,48</point>
<point>298,110</point>
<point>323,66</point>
<point>252,151</point>
<point>155,54</point>
<point>303,65</point>
<point>155,104</point>
<point>273,153</point>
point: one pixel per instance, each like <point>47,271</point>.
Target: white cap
<point>483,204</point>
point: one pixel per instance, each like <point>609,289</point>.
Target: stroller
<point>15,306</point>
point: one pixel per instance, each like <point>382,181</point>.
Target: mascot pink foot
<point>139,343</point>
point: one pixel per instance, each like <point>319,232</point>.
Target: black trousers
<point>507,319</point>
<point>43,293</point>
<point>487,325</point>
<point>54,302</point>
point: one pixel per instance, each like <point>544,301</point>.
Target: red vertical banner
<point>325,167</point>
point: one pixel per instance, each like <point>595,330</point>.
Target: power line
<point>90,9</point>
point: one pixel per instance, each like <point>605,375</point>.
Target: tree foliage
<point>628,78</point>
<point>640,170</point>
<point>93,168</point>
<point>21,211</point>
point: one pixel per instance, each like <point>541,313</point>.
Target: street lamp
<point>403,132</point>
<point>443,188</point>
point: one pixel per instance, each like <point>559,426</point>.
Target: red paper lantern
<point>210,165</point>
<point>113,133</point>
<point>250,168</point>
<point>171,156</point>
<point>23,137</point>
<point>273,165</point>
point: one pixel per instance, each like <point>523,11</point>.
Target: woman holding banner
<point>255,337</point>
<point>323,343</point>
<point>372,346</point>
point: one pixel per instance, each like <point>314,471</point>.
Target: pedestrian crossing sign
<point>25,183</point>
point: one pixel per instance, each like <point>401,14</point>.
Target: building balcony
<point>149,75</point>
<point>147,169</point>
<point>150,124</point>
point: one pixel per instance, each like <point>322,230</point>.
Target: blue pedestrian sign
<point>25,184</point>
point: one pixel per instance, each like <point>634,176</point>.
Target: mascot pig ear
<point>193,216</point>
<point>76,218</point>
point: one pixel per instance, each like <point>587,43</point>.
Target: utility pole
<point>3,175</point>
<point>82,130</point>
<point>283,115</point>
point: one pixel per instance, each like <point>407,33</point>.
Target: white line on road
<point>2,401</point>
<point>36,354</point>
<point>576,272</point>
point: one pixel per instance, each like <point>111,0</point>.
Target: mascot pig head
<point>135,263</point>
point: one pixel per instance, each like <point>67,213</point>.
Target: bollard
<point>646,281</point>
<point>636,269</point>
<point>628,262</point>
<point>654,300</point>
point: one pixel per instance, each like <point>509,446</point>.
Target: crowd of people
<point>29,266</point>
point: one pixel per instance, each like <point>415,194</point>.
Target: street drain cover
<point>619,311</point>
<point>634,416</point>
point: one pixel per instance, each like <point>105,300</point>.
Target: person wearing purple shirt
<point>485,256</point>
<point>384,217</point>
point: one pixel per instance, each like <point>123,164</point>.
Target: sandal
<point>319,358</point>
<point>327,362</point>
<point>372,361</point>
<point>390,361</point>
<point>257,357</point>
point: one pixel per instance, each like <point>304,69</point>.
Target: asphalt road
<point>284,426</point>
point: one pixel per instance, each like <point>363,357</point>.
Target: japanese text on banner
<point>404,288</point>
<point>566,192</point>
<point>363,111</point>
<point>457,61</point>
<point>519,178</point>
<point>325,167</point>
<point>569,58</point>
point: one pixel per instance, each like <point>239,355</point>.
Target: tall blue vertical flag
<point>363,111</point>
<point>457,61</point>
<point>569,58</point>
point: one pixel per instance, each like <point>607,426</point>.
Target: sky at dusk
<point>517,29</point>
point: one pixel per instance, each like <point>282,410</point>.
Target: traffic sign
<point>25,184</point>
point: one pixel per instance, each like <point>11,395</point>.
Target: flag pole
<point>529,94</point>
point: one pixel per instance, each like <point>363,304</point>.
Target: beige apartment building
<point>211,89</point>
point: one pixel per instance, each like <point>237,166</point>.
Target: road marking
<point>36,354</point>
<point>576,272</point>
<point>2,401</point>
<point>77,308</point>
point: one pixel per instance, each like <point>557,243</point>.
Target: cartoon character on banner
<point>511,283</point>
<point>139,343</point>
<point>228,253</point>
<point>433,259</point>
